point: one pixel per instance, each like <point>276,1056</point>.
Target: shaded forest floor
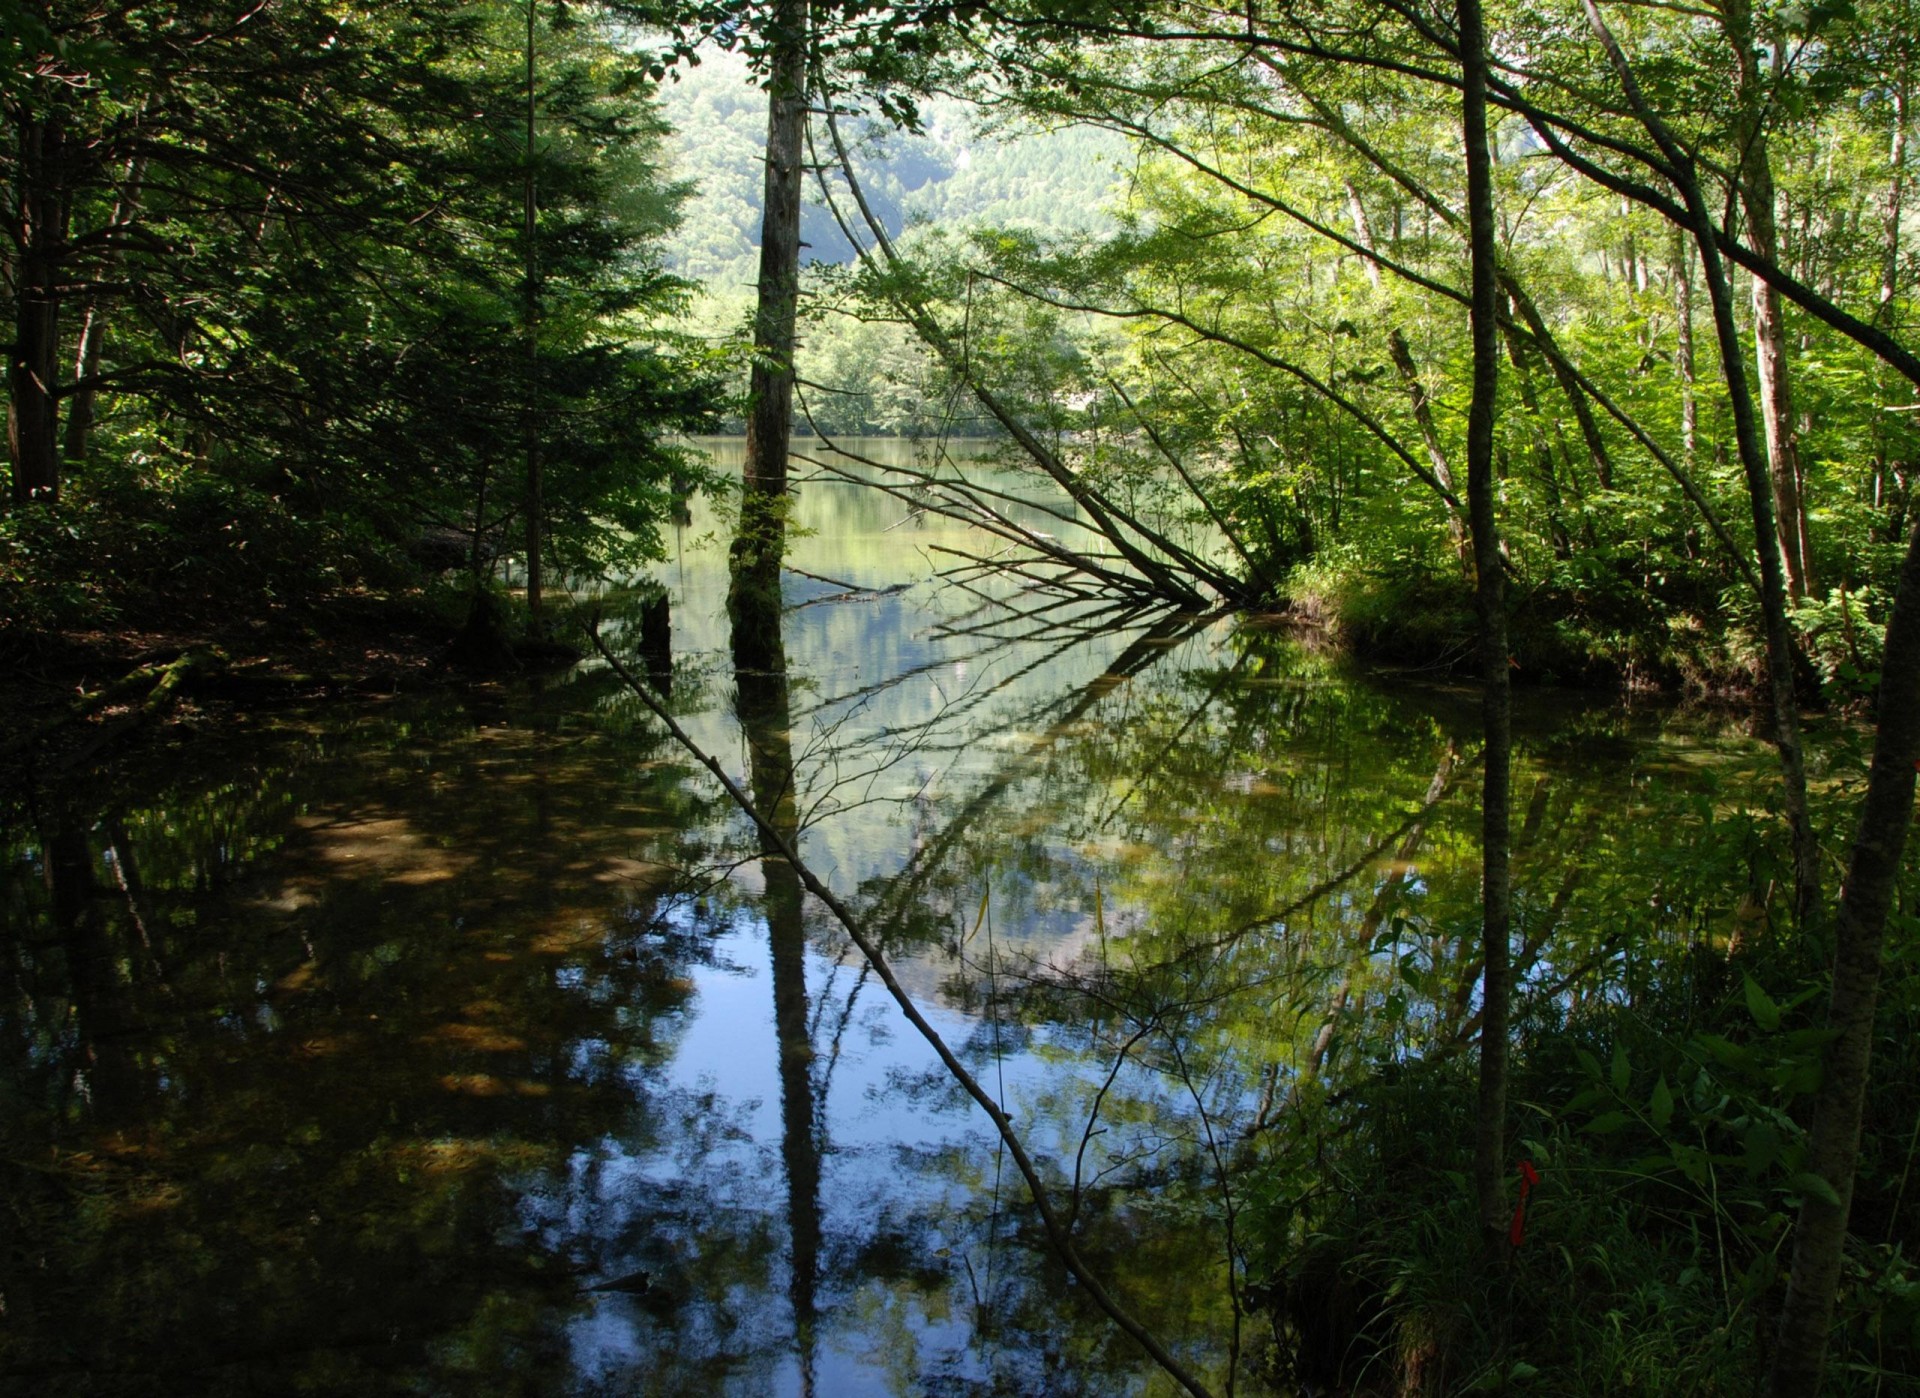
<point>70,692</point>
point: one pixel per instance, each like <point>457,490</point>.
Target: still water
<point>465,1043</point>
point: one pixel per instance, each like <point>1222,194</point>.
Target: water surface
<point>348,1048</point>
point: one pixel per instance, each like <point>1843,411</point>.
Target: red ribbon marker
<point>1529,1177</point>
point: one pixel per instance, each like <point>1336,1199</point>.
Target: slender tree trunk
<point>1896,199</point>
<point>1890,216</point>
<point>1769,330</point>
<point>1866,899</point>
<point>77,430</point>
<point>1489,1154</point>
<point>33,366</point>
<point>1545,437</point>
<point>1753,463</point>
<point>1576,397</point>
<point>761,539</point>
<point>1683,350</point>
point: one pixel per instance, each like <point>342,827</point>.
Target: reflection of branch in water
<point>1093,619</point>
<point>1376,913</point>
<point>1335,881</point>
<point>1218,687</point>
<point>1230,1210</point>
<point>1141,653</point>
<point>1058,1230</point>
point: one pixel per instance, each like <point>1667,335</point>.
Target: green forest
<point>1516,361</point>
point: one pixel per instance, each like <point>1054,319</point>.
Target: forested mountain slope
<point>960,170</point>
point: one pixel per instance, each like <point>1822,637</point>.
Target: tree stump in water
<point>482,645</point>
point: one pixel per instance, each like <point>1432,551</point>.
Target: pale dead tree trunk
<point>1896,198</point>
<point>1409,371</point>
<point>1866,899</point>
<point>1753,462</point>
<point>1496,892</point>
<point>753,595</point>
<point>1757,199</point>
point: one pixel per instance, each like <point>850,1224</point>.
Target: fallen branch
<point>161,682</point>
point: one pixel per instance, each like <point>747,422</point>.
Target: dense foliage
<point>274,290</point>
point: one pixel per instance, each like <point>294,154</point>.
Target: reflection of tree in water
<point>764,709</point>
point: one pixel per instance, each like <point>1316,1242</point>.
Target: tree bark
<point>1769,330</point>
<point>1683,348</point>
<point>1890,217</point>
<point>33,373</point>
<point>76,433</point>
<point>1489,1155</point>
<point>530,325</point>
<point>760,540</point>
<point>1859,928</point>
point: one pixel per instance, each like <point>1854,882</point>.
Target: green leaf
<point>1806,1182</point>
<point>1660,1106</point>
<point>1725,1051</point>
<point>1607,1123</point>
<point>1622,1076</point>
<point>1760,1005</point>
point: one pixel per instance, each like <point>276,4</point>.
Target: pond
<point>467,1042</point>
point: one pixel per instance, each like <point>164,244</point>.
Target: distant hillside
<point>955,173</point>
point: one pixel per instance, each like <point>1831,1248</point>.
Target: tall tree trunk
<point>1489,1153</point>
<point>33,373</point>
<point>530,325</point>
<point>1890,216</point>
<point>1769,328</point>
<point>77,430</point>
<point>1563,375</point>
<point>1683,349</point>
<point>1866,898</point>
<point>1546,436</point>
<point>761,538</point>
